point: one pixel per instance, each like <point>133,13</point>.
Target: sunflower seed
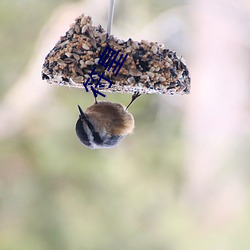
<point>85,46</point>
<point>131,80</point>
<point>134,72</point>
<point>88,62</point>
<point>154,49</point>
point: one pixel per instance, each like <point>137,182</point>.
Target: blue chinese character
<point>105,59</point>
<point>93,80</point>
<point>102,77</point>
<point>96,92</point>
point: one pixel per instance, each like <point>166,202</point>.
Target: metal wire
<point>110,15</point>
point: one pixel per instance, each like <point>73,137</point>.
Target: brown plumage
<point>104,125</point>
<point>111,117</point>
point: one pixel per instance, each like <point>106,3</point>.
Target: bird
<point>104,124</point>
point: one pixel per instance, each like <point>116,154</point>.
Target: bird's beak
<point>82,115</point>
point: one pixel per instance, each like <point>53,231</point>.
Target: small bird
<point>104,124</point>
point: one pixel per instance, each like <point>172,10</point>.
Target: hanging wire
<point>110,15</point>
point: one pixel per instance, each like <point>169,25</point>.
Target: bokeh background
<point>180,182</point>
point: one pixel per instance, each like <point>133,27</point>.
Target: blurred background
<point>180,182</point>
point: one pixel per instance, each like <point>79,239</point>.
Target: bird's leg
<point>134,97</point>
<point>95,99</point>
